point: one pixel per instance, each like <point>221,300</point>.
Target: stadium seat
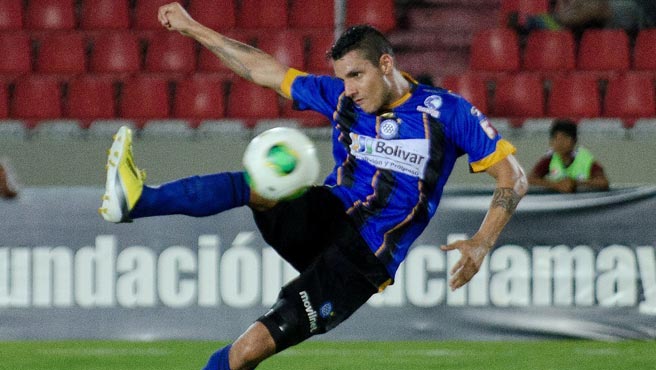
<point>317,61</point>
<point>144,97</point>
<point>4,101</point>
<point>115,53</point>
<point>523,9</point>
<point>576,96</point>
<point>470,86</point>
<point>198,98</point>
<point>286,46</point>
<point>262,14</point>
<point>172,53</point>
<point>495,50</point>
<point>16,54</point>
<point>378,13</point>
<point>62,53</point>
<point>145,15</point>
<point>604,51</point>
<point>216,14</point>
<point>91,97</point>
<point>42,15</point>
<point>11,15</point>
<point>630,97</point>
<point>35,98</point>
<point>306,118</point>
<point>645,51</point>
<point>104,15</point>
<point>250,101</point>
<point>519,96</point>
<point>319,14</point>
<point>550,51</point>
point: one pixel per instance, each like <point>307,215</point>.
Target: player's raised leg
<point>126,197</point>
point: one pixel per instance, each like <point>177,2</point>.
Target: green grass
<point>321,355</point>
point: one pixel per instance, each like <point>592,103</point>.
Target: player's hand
<point>473,253</point>
<point>175,18</point>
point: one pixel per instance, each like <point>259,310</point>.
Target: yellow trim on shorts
<point>504,148</point>
<point>290,76</point>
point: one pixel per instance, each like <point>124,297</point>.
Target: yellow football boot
<point>124,182</point>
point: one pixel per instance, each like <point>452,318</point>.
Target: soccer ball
<point>281,163</point>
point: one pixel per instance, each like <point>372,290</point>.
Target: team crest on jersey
<point>389,129</point>
<point>431,106</point>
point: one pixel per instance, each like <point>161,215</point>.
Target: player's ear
<point>386,63</point>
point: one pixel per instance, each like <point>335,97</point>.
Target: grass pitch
<point>322,355</point>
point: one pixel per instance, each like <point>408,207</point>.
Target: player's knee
<point>252,348</point>
<point>284,325</point>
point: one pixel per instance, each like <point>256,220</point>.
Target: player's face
<point>562,143</point>
<point>364,82</point>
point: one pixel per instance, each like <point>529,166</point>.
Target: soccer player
<point>394,144</point>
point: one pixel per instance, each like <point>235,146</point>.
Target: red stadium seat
<point>216,14</point>
<point>61,53</point>
<point>16,54</point>
<point>50,15</point>
<point>317,14</point>
<point>145,97</point>
<point>306,118</point>
<point>550,51</point>
<point>575,95</point>
<point>171,52</point>
<point>645,51</point>
<point>519,96</point>
<point>630,97</point>
<point>250,101</point>
<point>523,8</point>
<point>145,15</point>
<point>471,87</point>
<point>317,61</point>
<point>115,53</point>
<point>37,97</point>
<point>604,51</point>
<point>11,15</point>
<point>378,13</point>
<point>262,14</point>
<point>90,98</point>
<point>4,101</point>
<point>286,46</point>
<point>495,50</point>
<point>104,14</point>
<point>198,98</point>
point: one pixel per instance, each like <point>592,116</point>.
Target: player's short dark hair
<point>364,38</point>
<point>566,126</point>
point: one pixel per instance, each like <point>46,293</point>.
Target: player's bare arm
<point>511,186</point>
<point>246,61</point>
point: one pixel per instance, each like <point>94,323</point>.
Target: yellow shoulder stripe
<point>503,149</point>
<point>286,85</point>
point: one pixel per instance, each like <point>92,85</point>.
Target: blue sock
<point>196,196</point>
<point>219,359</point>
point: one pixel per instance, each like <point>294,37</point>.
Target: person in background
<point>8,189</point>
<point>566,167</point>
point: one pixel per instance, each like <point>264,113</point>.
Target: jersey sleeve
<point>317,93</point>
<point>541,169</point>
<point>475,135</point>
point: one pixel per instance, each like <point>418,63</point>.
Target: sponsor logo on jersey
<point>408,156</point>
<point>431,106</point>
<point>326,310</point>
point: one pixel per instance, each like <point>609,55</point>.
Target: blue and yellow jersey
<point>391,167</point>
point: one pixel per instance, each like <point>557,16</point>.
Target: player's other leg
<point>126,197</point>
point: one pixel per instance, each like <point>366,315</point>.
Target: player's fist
<point>175,18</point>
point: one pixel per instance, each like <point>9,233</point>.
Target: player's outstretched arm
<point>511,186</point>
<point>246,61</point>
